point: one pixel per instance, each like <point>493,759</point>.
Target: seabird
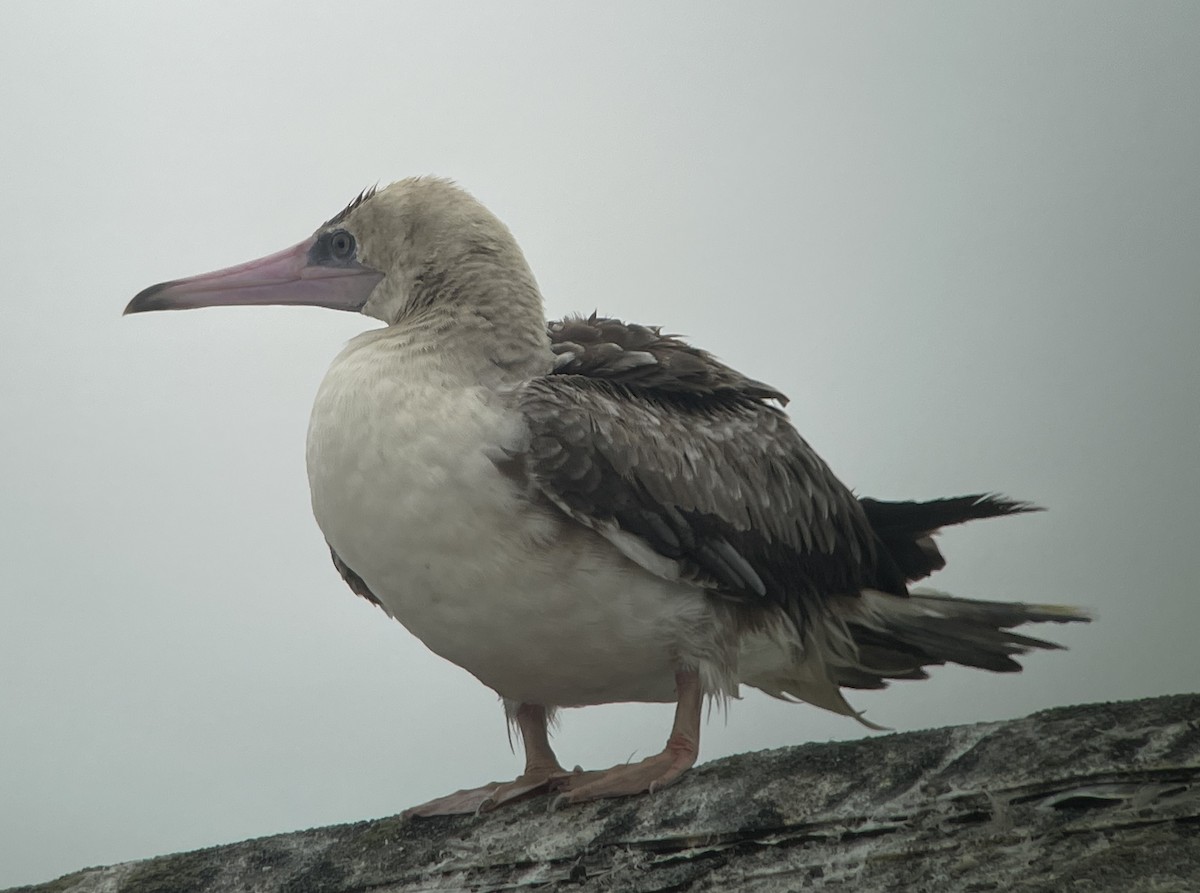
<point>591,511</point>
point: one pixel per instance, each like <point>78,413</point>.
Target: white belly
<point>535,606</point>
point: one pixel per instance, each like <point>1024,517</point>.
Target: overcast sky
<point>965,238</point>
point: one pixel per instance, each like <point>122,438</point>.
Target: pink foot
<point>488,797</point>
<point>541,768</point>
<point>647,776</point>
<point>652,773</point>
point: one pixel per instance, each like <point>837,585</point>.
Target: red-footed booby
<point>591,511</point>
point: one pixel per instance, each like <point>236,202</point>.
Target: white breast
<point>535,606</point>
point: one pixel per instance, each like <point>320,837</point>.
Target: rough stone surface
<point>1102,797</point>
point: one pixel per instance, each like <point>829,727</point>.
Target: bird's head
<point>419,243</point>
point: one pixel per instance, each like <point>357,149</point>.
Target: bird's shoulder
<point>642,357</point>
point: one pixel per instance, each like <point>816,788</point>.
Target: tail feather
<point>885,632</point>
<point>905,531</point>
<point>926,517</point>
<point>896,638</point>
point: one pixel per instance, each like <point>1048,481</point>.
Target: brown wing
<point>678,460</point>
<point>643,358</point>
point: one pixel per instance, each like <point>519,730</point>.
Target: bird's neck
<point>480,315</point>
<point>473,347</point>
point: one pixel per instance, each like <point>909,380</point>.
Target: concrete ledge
<point>1102,797</point>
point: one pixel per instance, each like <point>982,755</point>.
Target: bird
<point>588,511</point>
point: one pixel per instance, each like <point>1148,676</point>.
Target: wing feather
<point>696,478</point>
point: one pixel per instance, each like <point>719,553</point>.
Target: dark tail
<point>905,531</point>
<point>896,638</point>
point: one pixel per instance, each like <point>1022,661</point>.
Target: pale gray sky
<point>964,237</point>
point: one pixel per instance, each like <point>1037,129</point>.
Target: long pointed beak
<point>287,277</point>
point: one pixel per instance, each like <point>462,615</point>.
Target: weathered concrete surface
<point>1095,798</point>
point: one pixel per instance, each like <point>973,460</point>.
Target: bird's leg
<point>541,765</point>
<point>652,773</point>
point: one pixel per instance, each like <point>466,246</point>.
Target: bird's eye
<point>341,244</point>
